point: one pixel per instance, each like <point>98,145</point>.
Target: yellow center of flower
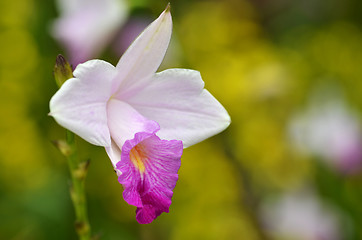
<point>137,158</point>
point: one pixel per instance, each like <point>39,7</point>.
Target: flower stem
<point>78,171</point>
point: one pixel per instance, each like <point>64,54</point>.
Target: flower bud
<point>62,70</point>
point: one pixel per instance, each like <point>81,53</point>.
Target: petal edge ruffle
<point>150,188</point>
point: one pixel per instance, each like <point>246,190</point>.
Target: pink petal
<point>145,55</point>
<point>177,100</point>
<point>80,104</point>
<point>150,177</point>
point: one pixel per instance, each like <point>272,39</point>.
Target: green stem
<point>78,171</point>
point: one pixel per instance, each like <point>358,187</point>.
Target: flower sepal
<point>63,147</point>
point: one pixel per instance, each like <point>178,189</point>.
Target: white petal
<point>177,100</point>
<point>144,56</point>
<point>114,153</point>
<point>124,122</point>
<point>80,104</point>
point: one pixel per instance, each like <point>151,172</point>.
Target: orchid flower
<point>301,215</point>
<point>142,118</point>
<point>330,131</point>
<point>85,27</point>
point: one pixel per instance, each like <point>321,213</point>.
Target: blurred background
<point>289,72</point>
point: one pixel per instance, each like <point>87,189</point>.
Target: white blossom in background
<point>330,131</point>
<point>300,216</point>
<point>85,27</point>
